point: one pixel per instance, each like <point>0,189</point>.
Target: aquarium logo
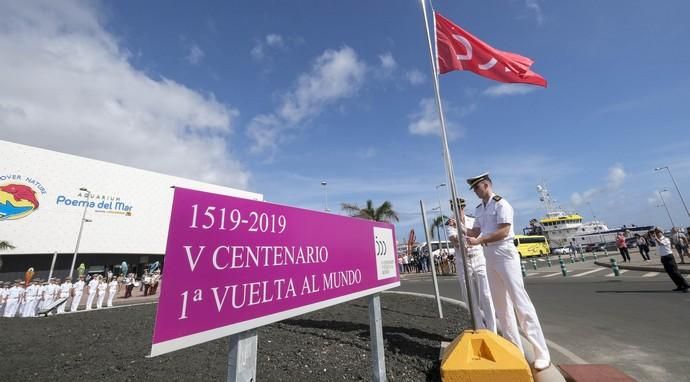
<point>17,201</point>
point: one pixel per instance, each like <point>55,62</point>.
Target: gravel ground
<point>328,345</point>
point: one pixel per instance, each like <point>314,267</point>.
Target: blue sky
<point>277,96</point>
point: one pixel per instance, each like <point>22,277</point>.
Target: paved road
<point>633,321</point>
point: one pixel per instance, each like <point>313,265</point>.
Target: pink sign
<point>234,264</point>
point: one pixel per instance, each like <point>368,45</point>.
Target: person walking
<point>680,241</point>
<point>77,291</point>
<point>113,289</point>
<point>484,314</point>
<point>493,229</point>
<point>622,247</point>
<point>65,291</point>
<point>642,246</point>
<point>663,249</point>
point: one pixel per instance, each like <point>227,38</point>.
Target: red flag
<point>457,49</point>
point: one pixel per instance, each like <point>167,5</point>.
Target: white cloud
<point>415,77</point>
<point>335,75</point>
<point>195,55</point>
<point>614,181</point>
<point>66,85</point>
<point>534,6</point>
<point>388,64</point>
<point>425,121</point>
<point>508,89</point>
<point>271,42</point>
<point>275,40</point>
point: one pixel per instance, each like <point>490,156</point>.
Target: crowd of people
<point>444,262</point>
<point>26,298</point>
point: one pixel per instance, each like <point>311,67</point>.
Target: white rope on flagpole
<point>449,165</point>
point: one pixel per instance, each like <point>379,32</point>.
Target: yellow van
<point>532,245</point>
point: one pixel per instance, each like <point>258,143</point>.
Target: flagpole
<point>449,168</point>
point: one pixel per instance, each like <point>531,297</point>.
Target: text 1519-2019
<point>229,220</point>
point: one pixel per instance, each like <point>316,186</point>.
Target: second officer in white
<point>481,294</point>
<point>493,229</point>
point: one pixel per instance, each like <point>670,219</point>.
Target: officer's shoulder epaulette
<point>497,198</point>
<point>479,205</point>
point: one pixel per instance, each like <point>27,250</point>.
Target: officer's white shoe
<point>541,364</point>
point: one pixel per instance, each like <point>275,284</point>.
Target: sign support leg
<point>242,357</point>
<point>376,333</point>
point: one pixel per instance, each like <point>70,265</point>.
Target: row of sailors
<point>20,301</point>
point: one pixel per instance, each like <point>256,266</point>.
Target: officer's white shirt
<point>101,287</point>
<point>113,286</point>
<point>31,292</point>
<point>64,289</point>
<point>14,293</point>
<point>79,287</point>
<point>494,213</point>
<point>93,284</point>
<point>472,250</point>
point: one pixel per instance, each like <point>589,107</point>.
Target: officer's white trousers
<point>62,307</point>
<point>99,302</point>
<point>111,296</point>
<point>89,300</point>
<point>11,306</point>
<point>75,302</point>
<point>510,297</point>
<point>484,314</point>
<point>29,308</point>
<point>48,302</point>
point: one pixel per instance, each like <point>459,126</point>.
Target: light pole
<point>601,237</point>
<point>440,211</point>
<point>675,184</point>
<point>81,228</point>
<point>664,203</point>
<point>325,190</point>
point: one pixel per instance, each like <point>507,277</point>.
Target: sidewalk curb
<point>641,268</point>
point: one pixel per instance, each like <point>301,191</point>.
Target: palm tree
<point>437,223</point>
<point>5,245</point>
<point>383,213</point>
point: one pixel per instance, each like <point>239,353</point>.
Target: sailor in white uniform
<point>484,314</point>
<point>64,292</point>
<point>14,295</point>
<point>49,294</point>
<point>4,291</point>
<point>493,229</point>
<point>101,288</point>
<point>112,290</point>
<point>93,287</point>
<point>78,290</point>
<point>31,296</point>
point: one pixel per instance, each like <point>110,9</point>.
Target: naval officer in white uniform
<point>493,229</point>
<point>484,314</point>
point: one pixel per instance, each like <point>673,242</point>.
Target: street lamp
<point>81,228</point>
<point>440,211</point>
<point>664,204</point>
<point>675,184</point>
<point>325,190</point>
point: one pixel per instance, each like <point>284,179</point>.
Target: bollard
<point>560,259</point>
<point>614,266</point>
<point>548,261</point>
<point>534,264</point>
<point>564,270</point>
<point>582,257</point>
<point>572,259</point>
<point>524,272</point>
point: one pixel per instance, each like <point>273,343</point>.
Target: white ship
<point>563,229</point>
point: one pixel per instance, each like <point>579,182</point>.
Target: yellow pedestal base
<point>483,355</point>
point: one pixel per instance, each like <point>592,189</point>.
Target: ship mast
<point>545,198</point>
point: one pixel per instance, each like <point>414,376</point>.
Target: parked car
<point>562,251</point>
